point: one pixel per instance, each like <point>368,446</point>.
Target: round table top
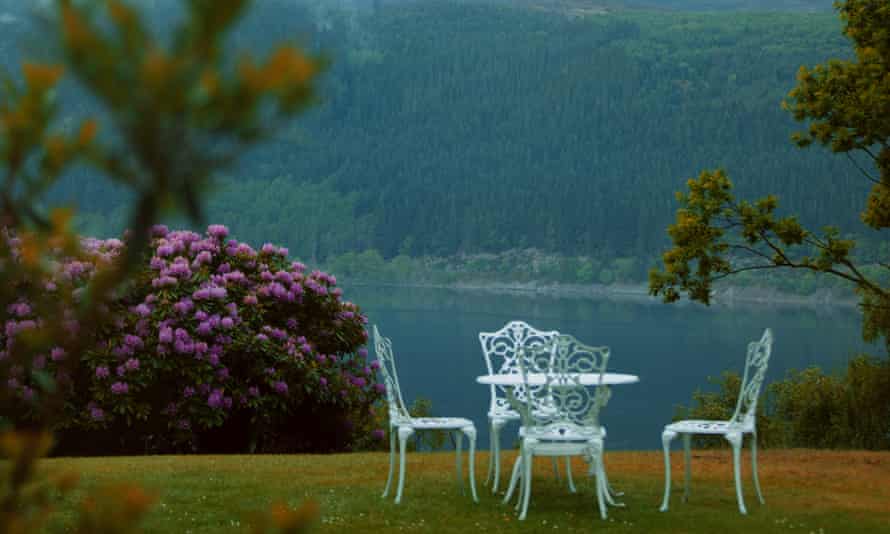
<point>587,379</point>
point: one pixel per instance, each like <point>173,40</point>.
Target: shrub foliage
<point>810,408</point>
<point>214,347</point>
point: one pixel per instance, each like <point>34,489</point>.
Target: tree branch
<point>863,171</point>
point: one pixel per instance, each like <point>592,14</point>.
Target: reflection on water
<point>673,348</point>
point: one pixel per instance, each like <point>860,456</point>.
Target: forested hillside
<point>465,127</point>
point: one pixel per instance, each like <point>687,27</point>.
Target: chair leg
<point>514,478</point>
<point>458,445</point>
<point>404,434</point>
<point>392,460</point>
<point>610,491</point>
<point>470,432</point>
<point>496,434</point>
<point>754,466</point>
<point>666,438</point>
<point>735,439</point>
<point>601,489</point>
<point>687,464</point>
<point>527,481</point>
<point>491,452</point>
<point>572,488</point>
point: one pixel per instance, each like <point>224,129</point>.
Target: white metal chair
<point>561,418</point>
<point>500,350</point>
<point>743,421</point>
<point>401,424</point>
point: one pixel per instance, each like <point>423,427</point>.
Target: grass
<point>806,491</point>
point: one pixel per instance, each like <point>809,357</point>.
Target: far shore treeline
<point>450,130</point>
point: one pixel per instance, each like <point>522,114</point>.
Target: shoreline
<point>728,296</point>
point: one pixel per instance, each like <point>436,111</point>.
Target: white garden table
<point>539,379</point>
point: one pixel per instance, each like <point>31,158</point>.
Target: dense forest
<point>451,128</point>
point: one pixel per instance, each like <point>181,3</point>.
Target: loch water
<point>674,349</point>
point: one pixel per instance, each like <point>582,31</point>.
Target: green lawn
<point>806,491</point>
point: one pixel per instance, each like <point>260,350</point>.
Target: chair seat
<point>567,437</point>
<point>703,426</point>
<point>443,423</point>
<point>504,415</point>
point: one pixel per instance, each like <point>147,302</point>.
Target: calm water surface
<point>672,348</point>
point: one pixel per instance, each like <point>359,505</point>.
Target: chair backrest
<point>564,406</point>
<point>501,351</point>
<point>383,350</point>
<point>752,379</point>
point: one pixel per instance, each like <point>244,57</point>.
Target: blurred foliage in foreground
<point>175,113</point>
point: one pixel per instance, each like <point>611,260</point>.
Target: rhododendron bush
<point>215,346</point>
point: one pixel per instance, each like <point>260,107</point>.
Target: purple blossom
<point>121,370</point>
<point>323,381</point>
<point>119,388</point>
<point>358,382</point>
<point>269,248</point>
<point>20,309</point>
<point>280,387</point>
<point>163,281</point>
<point>218,231</point>
<point>204,329</point>
<point>142,310</point>
<point>203,257</point>
<point>188,391</point>
<point>57,354</point>
<point>132,364</point>
<point>262,337</point>
<point>213,358</point>
<point>157,263</point>
<point>102,372</point>
<point>215,399</point>
<point>184,306</point>
<point>380,388</point>
<point>201,294</point>
<point>362,352</point>
<point>164,250</point>
<point>227,323</point>
<point>165,335</point>
<point>159,230</point>
<point>133,341</point>
<point>96,414</point>
<point>253,391</point>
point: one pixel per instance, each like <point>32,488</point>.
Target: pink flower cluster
<point>225,327</point>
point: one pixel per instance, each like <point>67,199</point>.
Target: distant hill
<point>471,127</point>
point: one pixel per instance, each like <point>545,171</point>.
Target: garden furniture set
<point>556,386</point>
